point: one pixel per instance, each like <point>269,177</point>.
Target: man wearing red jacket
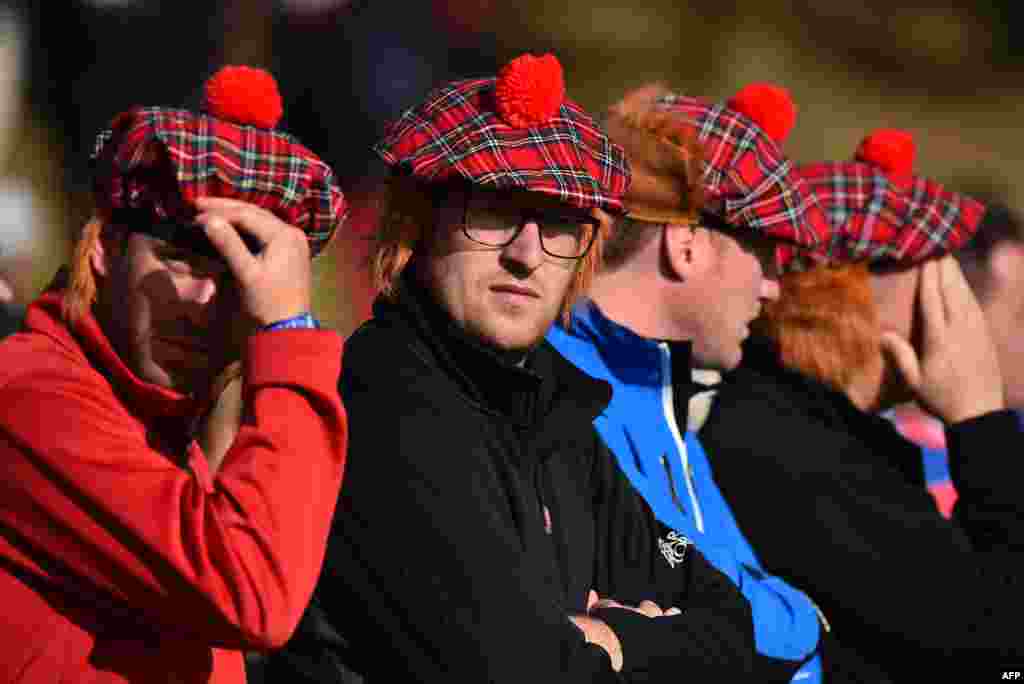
<point>123,557</point>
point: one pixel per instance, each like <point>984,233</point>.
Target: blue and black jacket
<point>645,426</point>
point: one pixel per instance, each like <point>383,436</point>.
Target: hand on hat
<point>956,376</point>
<point>274,284</point>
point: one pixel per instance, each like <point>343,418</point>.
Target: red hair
<point>81,283</point>
<point>825,323</point>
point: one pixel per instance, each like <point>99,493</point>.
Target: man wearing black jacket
<point>485,533</point>
<point>921,595</point>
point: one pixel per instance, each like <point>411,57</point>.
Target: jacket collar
<point>831,407</point>
<point>146,400</point>
<point>520,387</point>
<point>632,358</point>
<point>638,361</point>
<point>761,354</point>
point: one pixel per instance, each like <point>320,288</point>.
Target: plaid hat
<point>881,212</point>
<point>154,162</point>
<point>515,131</point>
<point>746,178</point>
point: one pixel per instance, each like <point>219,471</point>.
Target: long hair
<point>825,323</point>
<point>407,215</point>
<point>80,283</point>
<point>406,210</point>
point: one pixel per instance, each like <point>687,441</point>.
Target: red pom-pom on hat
<point>244,95</point>
<point>529,90</point>
<point>890,149</point>
<point>769,106</point>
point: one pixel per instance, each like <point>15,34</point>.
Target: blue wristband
<point>304,321</point>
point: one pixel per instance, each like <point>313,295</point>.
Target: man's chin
<point>512,333</point>
<point>510,345</point>
<point>512,340</point>
<point>722,361</point>
<point>892,389</point>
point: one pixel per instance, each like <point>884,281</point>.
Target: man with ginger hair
<point>892,319</point>
<point>485,533</point>
<point>712,201</point>
<point>122,557</point>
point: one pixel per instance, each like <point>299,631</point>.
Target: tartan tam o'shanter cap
<point>515,131</point>
<point>881,212</point>
<point>746,179</point>
<point>154,162</point>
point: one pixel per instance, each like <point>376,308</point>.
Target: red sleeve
<point>233,562</point>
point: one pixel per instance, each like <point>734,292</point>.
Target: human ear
<point>104,248</point>
<point>682,246</point>
<point>1004,263</point>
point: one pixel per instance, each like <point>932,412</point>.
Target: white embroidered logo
<point>674,550</point>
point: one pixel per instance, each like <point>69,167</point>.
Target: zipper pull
<point>544,511</point>
<point>672,485</point>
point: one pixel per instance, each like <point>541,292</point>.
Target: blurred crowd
<point>355,64</point>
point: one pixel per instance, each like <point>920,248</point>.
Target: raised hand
<point>955,375</point>
<point>274,284</point>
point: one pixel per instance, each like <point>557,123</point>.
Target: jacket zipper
<point>559,555</point>
<point>672,485</point>
<point>670,417</point>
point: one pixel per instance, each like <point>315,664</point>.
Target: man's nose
<point>526,249</point>
<point>770,289</point>
<point>200,293</point>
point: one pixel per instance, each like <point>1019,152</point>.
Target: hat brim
<point>676,216</point>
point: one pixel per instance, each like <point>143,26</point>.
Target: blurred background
<point>951,74</point>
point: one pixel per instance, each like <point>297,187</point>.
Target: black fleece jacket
<point>479,509</point>
<point>834,501</point>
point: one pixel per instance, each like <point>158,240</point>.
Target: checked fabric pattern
<point>457,135</point>
<point>902,220</point>
<point>207,156</point>
<point>745,171</point>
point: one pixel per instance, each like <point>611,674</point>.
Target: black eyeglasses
<point>563,234</point>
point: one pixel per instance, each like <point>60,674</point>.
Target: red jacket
<point>123,561</point>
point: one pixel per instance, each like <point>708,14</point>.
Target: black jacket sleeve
<point>900,583</point>
<point>986,457</point>
<point>640,558</point>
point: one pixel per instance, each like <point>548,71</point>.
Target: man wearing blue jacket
<point>712,205</point>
